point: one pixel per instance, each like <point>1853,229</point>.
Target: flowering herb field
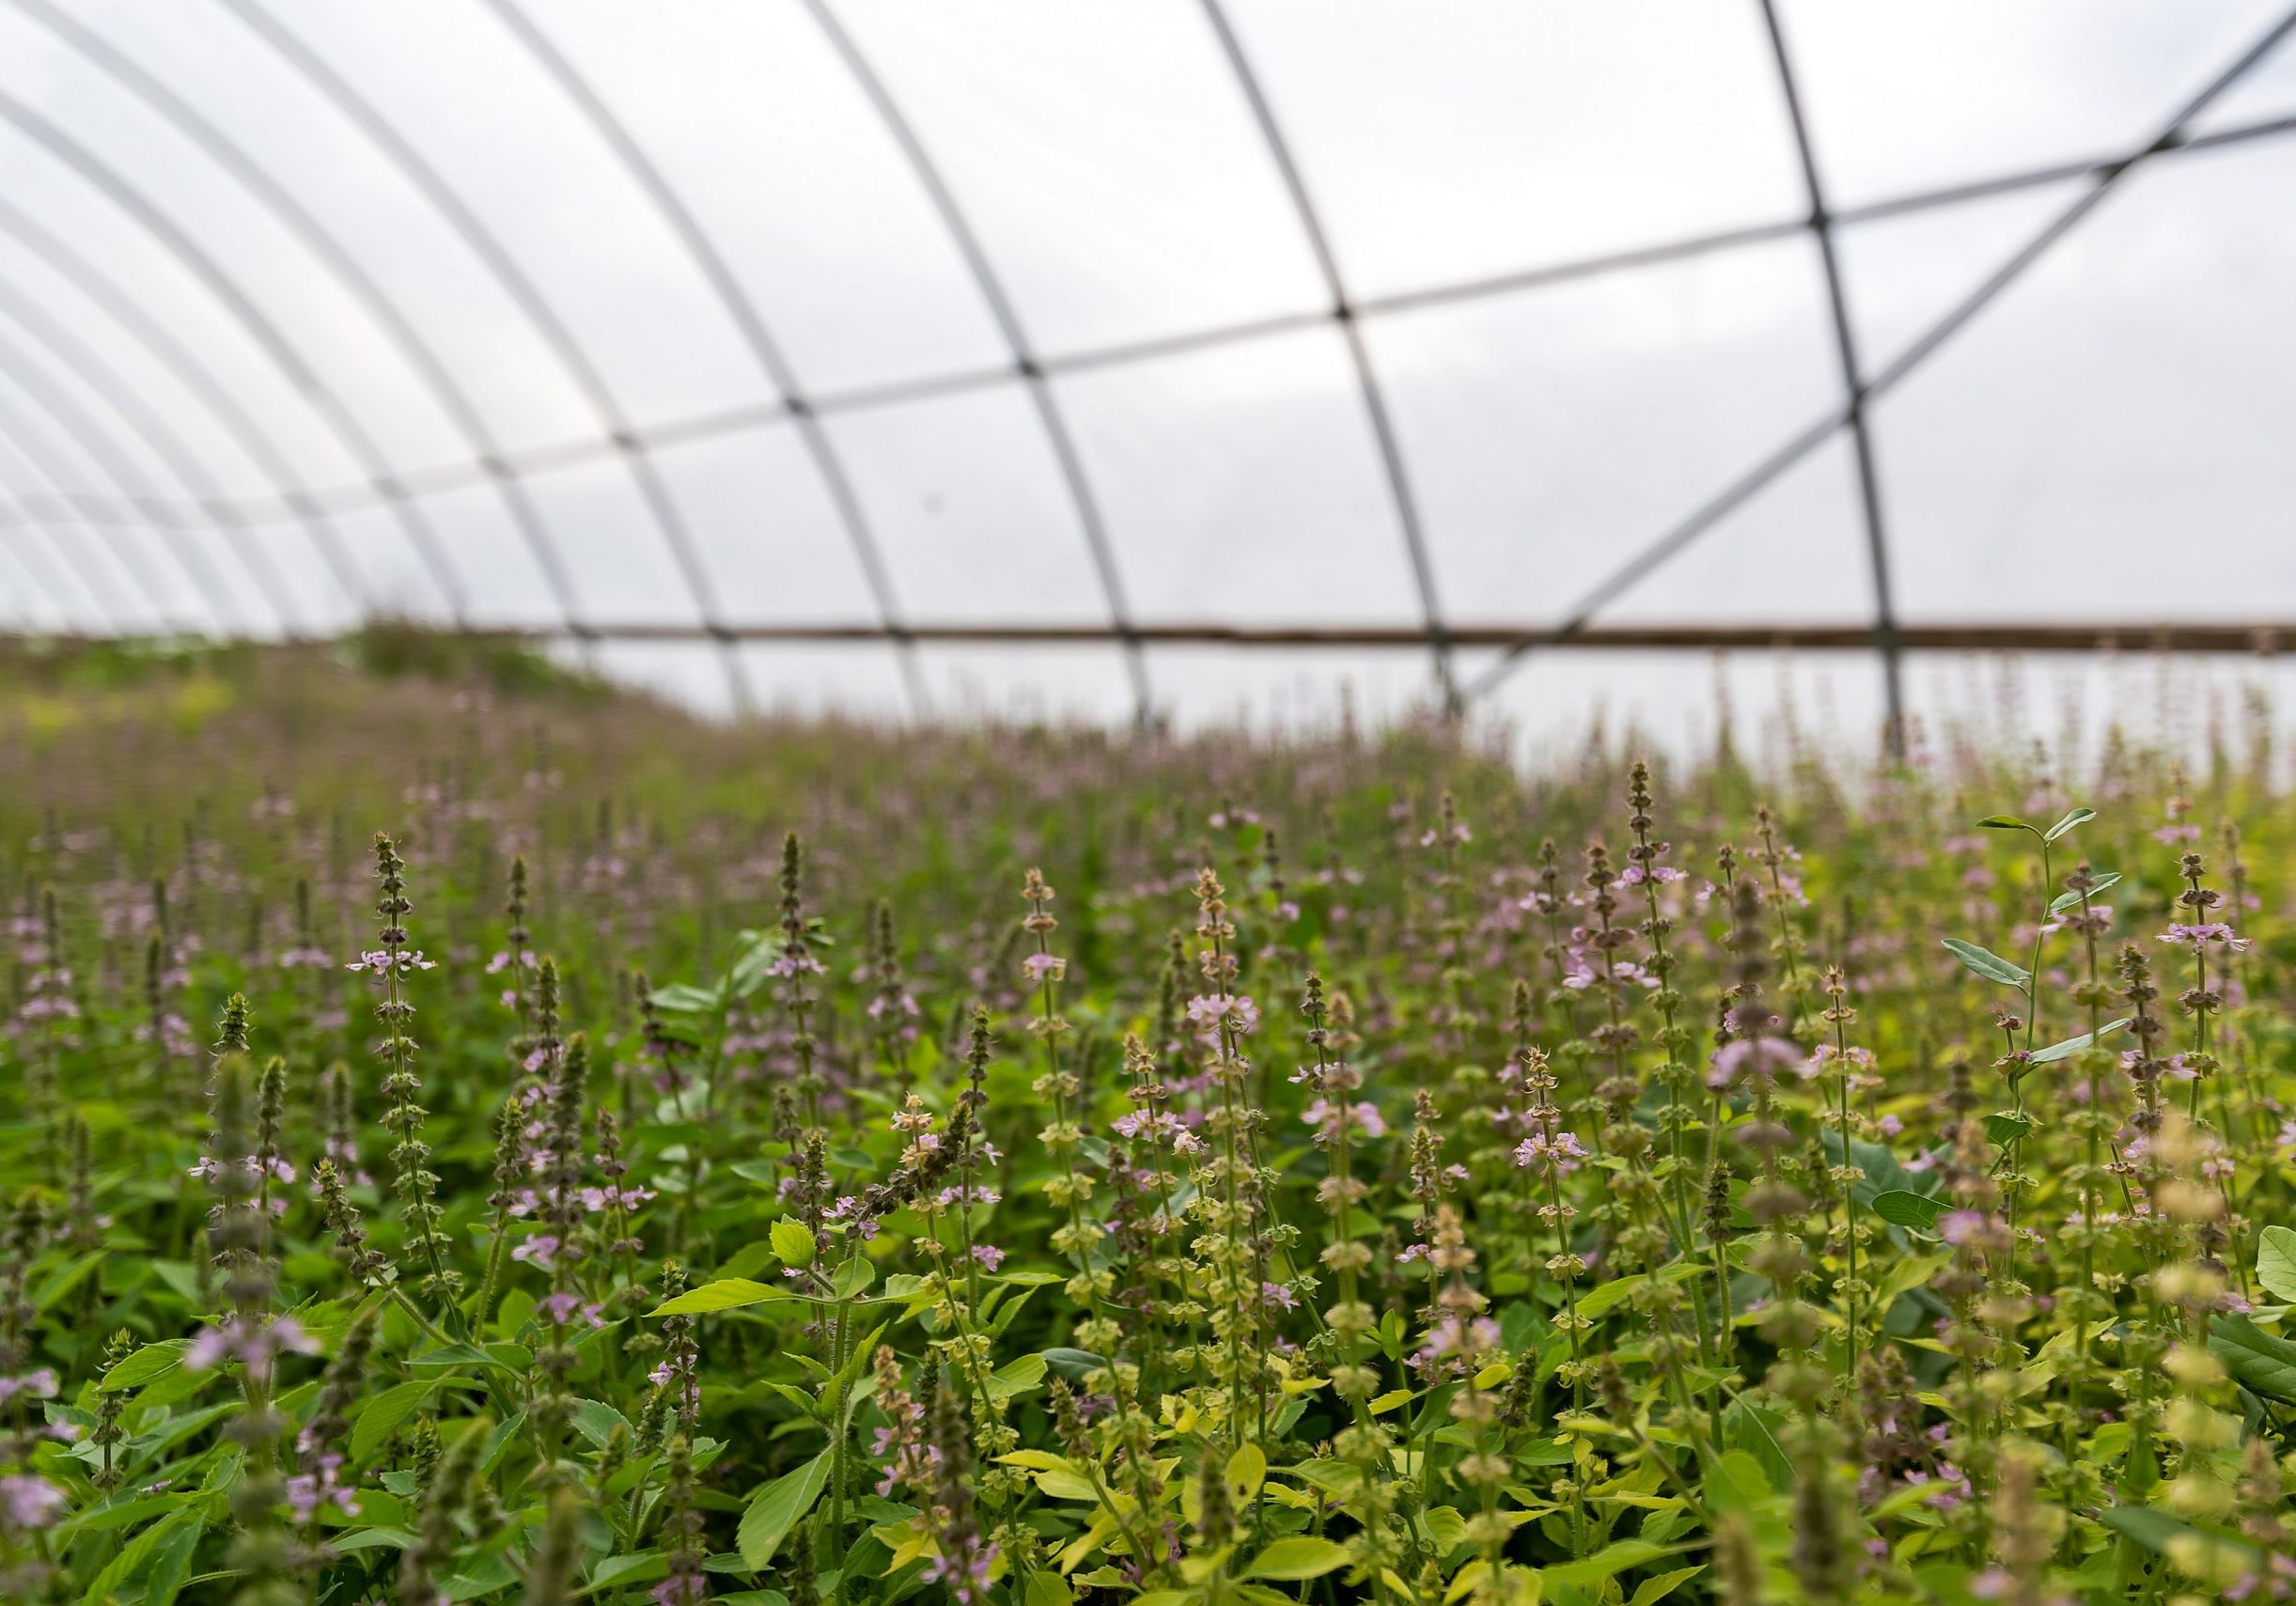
<point>482,1139</point>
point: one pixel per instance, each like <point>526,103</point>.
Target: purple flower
<point>1742,1054</point>
<point>1328,1118</point>
<point>988,1255</point>
<point>40,1384</point>
<point>253,1344</point>
<point>1959,1226</point>
<point>27,1501</point>
<point>628,1197</point>
<point>1561,1151</point>
<point>966,1575</point>
<point>681,1588</point>
<point>379,960</point>
<point>563,1307</point>
<point>1205,1013</point>
<point>1044,967</point>
<point>541,1250</point>
<point>2199,937</point>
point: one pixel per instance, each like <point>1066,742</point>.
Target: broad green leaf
<point>2265,1362</point>
<point>135,1560</point>
<point>1608,1562</point>
<point>1911,1272</point>
<point>121,1515</point>
<point>152,1360</point>
<point>596,1421</point>
<point>2004,1127</point>
<point>2276,1262</point>
<point>1884,1170</point>
<point>2071,1046</point>
<point>853,1278</point>
<point>371,1539</point>
<point>383,1414</point>
<point>1291,1560</point>
<point>2158,1532</point>
<point>1734,1481</point>
<point>171,1567</point>
<point>501,1357</point>
<point>1073,1364</point>
<point>1654,1590</point>
<point>1992,966</point>
<point>1247,1469</point>
<point>683,998</point>
<point>1444,1527</point>
<point>727,1293</point>
<point>793,1241</point>
<point>1902,1208</point>
<point>1017,1376</point>
<point>1607,1295</point>
<point>2097,885</point>
<point>2004,822</point>
<point>642,1567</point>
<point>2077,816</point>
<point>777,1508</point>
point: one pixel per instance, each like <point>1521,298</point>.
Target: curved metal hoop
<point>747,318</point>
<point>1001,310</point>
<point>472,230</point>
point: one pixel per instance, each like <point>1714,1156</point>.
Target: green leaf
<point>1607,1295</point>
<point>2077,816</point>
<point>1654,1590</point>
<point>1902,1208</point>
<point>383,1414</point>
<point>135,1560</point>
<point>2276,1262</point>
<point>152,1360</point>
<point>1992,966</point>
<point>596,1421</point>
<point>1753,1429</point>
<point>683,998</point>
<point>2004,1127</point>
<point>371,1539</point>
<point>853,1278</point>
<point>727,1293</point>
<point>1247,1469</point>
<point>1734,1481</point>
<point>793,1241</point>
<point>1883,1169</point>
<point>1606,1563</point>
<point>2265,1362</point>
<point>777,1508</point>
<point>642,1567</point>
<point>2004,822</point>
<point>2097,885</point>
<point>1048,1588</point>
<point>2157,1531</point>
<point>470,1355</point>
<point>1017,1376</point>
<point>1290,1560</point>
<point>2071,1046</point>
<point>170,1567</point>
<point>1074,1364</point>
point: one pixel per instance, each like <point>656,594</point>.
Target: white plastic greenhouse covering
<point>816,354</point>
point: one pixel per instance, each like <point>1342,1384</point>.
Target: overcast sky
<point>2106,442</point>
